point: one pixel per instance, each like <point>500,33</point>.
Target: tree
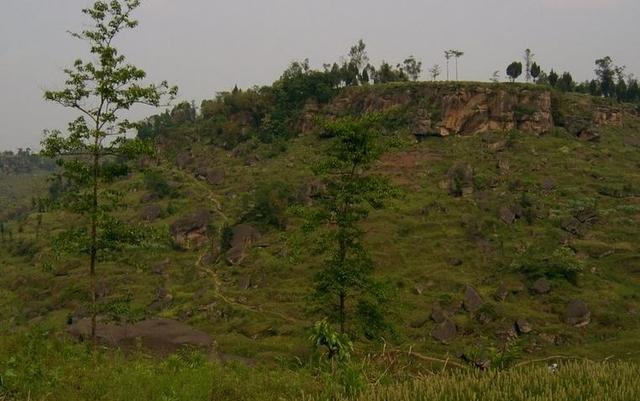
<point>345,286</point>
<point>457,54</point>
<point>565,83</point>
<point>386,73</point>
<point>358,58</point>
<point>553,78</point>
<point>434,72</point>
<point>621,90</point>
<point>447,55</point>
<point>91,153</point>
<point>535,71</point>
<point>528,60</point>
<point>514,70</point>
<point>412,68</point>
<point>633,93</point>
<point>495,77</point>
<point>605,72</point>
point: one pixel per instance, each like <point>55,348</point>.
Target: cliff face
<point>442,110</point>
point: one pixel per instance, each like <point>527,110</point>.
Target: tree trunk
<point>456,68</point>
<point>94,241</point>
<point>343,297</point>
<point>447,69</point>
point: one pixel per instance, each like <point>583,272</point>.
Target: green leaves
<point>337,346</point>
<point>346,280</point>
<point>95,150</point>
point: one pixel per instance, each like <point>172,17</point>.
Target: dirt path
<point>217,282</point>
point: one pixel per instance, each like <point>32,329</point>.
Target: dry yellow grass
<point>574,381</point>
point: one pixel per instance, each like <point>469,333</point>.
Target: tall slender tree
<point>447,55</point>
<point>100,90</point>
<point>345,288</point>
<point>457,54</point>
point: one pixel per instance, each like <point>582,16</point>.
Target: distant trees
<point>434,72</point>
<point>457,54</point>
<point>565,82</point>
<point>387,73</point>
<point>345,289</point>
<point>514,70</point>
<point>91,153</point>
<point>553,78</point>
<point>452,53</point>
<point>535,71</point>
<point>447,55</point>
<point>605,71</point>
<point>411,67</point>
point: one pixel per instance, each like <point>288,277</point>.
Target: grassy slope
<point>413,242</point>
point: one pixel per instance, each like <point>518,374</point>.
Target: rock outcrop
<point>190,231</point>
<point>442,110</point>
<point>243,236</point>
<point>577,313</point>
<point>158,335</point>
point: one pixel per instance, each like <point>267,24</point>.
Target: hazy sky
<point>205,46</point>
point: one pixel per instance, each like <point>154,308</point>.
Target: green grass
<point>35,367</point>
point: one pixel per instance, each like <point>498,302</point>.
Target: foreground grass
<point>571,382</point>
<point>36,367</point>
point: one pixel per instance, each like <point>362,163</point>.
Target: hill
<point>514,238</point>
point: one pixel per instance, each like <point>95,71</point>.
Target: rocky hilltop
<point>443,109</point>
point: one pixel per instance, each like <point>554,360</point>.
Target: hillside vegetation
<point>514,237</point>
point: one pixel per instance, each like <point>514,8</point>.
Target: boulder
<point>577,313</point>
<point>472,299</point>
<point>541,286</point>
<point>588,135</point>
<point>164,336</point>
<point>215,176</point>
<point>159,269</point>
<point>438,314</point>
<point>502,292</point>
<point>497,146</point>
<point>150,212</point>
<point>445,332</point>
<point>456,262</point>
<point>548,184</point>
<point>190,231</point>
<point>571,225</point>
<point>523,326</point>
<point>242,238</point>
<point>184,159</point>
<point>507,215</point>
<point>459,180</point>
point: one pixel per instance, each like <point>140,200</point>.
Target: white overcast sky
<point>205,46</point>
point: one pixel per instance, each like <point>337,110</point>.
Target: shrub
<point>155,182</point>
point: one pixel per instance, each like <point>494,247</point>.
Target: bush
<point>155,182</point>
<point>271,203</point>
<point>562,263</point>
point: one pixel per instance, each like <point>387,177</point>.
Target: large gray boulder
<point>472,299</point>
<point>577,313</point>
<point>445,332</point>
